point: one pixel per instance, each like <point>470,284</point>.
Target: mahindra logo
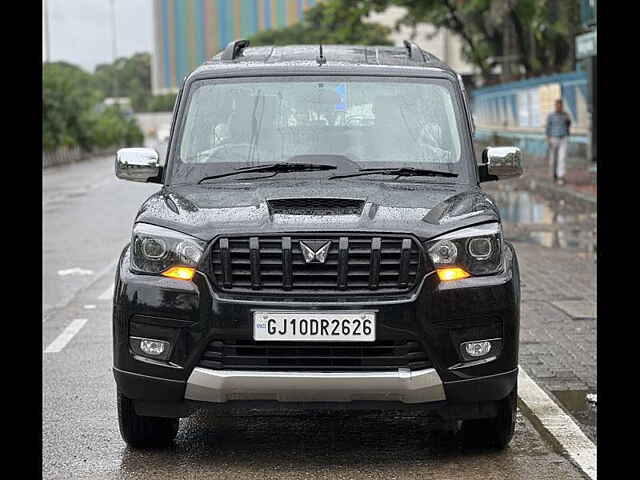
<point>315,251</point>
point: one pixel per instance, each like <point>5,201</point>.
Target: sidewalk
<point>558,319</point>
<point>558,324</point>
<point>580,177</point>
<point>558,327</point>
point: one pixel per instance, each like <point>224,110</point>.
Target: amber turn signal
<point>181,273</point>
<point>454,273</point>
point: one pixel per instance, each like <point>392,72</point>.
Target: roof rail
<point>414,51</point>
<point>234,49</point>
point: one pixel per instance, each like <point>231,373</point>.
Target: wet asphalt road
<point>87,216</point>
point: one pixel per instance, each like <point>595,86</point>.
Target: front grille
<point>381,355</point>
<point>355,263</point>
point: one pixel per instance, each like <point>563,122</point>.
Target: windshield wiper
<point>275,168</point>
<point>399,172</point>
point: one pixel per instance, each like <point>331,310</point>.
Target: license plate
<point>315,326</point>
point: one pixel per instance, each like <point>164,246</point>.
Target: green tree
<point>113,127</point>
<point>536,36</point>
<point>330,22</point>
<point>162,103</point>
<point>132,78</point>
<point>532,36</point>
<point>73,114</point>
<point>69,93</point>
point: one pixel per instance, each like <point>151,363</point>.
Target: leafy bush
<point>113,127</point>
<point>71,116</point>
<point>162,103</point>
<point>134,136</point>
<point>132,76</point>
<point>68,96</point>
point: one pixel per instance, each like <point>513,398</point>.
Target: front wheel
<point>494,432</point>
<point>140,431</point>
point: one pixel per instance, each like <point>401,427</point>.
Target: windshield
<point>356,121</point>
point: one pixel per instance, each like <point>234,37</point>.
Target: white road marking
<point>89,307</point>
<point>75,271</point>
<point>52,309</point>
<point>558,424</point>
<point>107,294</point>
<point>65,337</point>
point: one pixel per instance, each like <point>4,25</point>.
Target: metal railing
<point>65,155</point>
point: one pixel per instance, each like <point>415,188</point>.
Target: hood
<point>426,210</point>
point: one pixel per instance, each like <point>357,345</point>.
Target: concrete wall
<point>534,144</point>
<point>515,113</point>
<point>524,105</point>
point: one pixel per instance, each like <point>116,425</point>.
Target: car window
<point>373,122</point>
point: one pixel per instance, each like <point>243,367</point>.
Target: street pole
<point>592,79</point>
<point>114,51</point>
<point>46,32</point>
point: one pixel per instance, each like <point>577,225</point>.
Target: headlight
<point>158,250</point>
<point>476,250</point>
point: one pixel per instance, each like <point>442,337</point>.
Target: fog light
<point>477,349</point>
<point>153,347</point>
<point>486,349</point>
<point>150,347</point>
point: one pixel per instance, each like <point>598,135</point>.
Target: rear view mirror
<point>499,163</point>
<point>138,165</point>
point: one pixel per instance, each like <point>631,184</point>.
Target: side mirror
<point>499,163</point>
<point>138,165</point>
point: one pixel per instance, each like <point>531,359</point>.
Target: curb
<point>556,425</point>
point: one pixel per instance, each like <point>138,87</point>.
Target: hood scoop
<point>315,206</point>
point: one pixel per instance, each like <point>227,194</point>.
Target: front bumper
<point>463,399</point>
<point>438,315</point>
<point>407,387</point>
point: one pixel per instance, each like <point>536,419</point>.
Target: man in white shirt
<point>557,131</point>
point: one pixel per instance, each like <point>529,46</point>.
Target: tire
<point>141,432</point>
<point>494,432</point>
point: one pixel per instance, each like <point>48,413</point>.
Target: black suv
<point>320,240</point>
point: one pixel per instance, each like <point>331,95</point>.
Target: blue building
<point>518,111</point>
<point>187,32</point>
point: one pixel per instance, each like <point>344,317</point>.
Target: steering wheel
<point>232,150</point>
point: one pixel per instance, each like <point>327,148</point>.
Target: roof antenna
<point>321,58</point>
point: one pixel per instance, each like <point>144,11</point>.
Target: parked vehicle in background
<point>123,103</point>
<point>321,239</point>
